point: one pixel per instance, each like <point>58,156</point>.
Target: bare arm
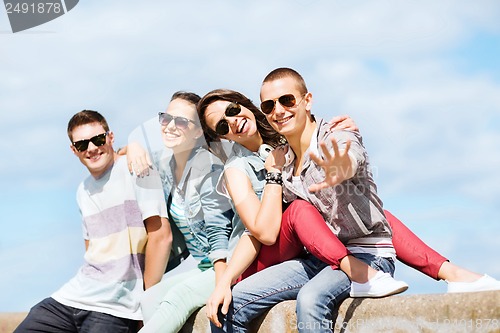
<point>219,268</point>
<point>157,249</point>
<point>263,226</point>
<point>245,253</point>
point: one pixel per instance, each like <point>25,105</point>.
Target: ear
<point>199,133</point>
<point>309,100</point>
<point>73,149</point>
<point>111,137</point>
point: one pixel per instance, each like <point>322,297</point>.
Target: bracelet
<point>274,178</point>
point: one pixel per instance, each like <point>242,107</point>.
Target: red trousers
<point>303,226</point>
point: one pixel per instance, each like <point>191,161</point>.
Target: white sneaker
<point>484,283</point>
<point>381,285</point>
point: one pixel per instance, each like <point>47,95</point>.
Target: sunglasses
<point>180,122</point>
<point>287,100</point>
<point>222,127</point>
<point>98,140</point>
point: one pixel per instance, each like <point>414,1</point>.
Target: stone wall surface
<point>443,313</point>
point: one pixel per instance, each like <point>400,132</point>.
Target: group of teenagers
<point>243,208</point>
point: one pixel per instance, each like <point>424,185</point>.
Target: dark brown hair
<point>85,117</point>
<point>268,134</point>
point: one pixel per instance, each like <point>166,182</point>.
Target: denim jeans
<point>317,287</point>
<point>51,316</point>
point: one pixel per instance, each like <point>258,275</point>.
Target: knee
<point>307,299</point>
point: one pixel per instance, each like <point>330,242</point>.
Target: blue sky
<point>421,79</point>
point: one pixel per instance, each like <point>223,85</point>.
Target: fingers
<point>140,166</point>
<point>347,146</point>
<point>336,121</point>
<point>335,147</point>
<point>225,305</point>
<point>325,150</point>
<point>343,122</point>
<point>211,312</point>
<point>316,187</point>
<point>332,181</point>
<point>316,159</point>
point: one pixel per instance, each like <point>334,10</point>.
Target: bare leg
<point>356,269</point>
<point>453,273</point>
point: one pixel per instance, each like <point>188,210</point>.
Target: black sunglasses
<point>287,100</point>
<point>98,140</point>
<point>222,127</point>
<point>180,122</point>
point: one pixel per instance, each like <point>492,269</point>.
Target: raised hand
<point>337,166</point>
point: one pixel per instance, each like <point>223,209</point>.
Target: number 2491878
<point>40,8</point>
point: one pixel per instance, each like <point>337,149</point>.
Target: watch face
<point>264,151</point>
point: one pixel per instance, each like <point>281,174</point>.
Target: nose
<point>278,109</point>
<point>233,123</point>
<point>171,126</point>
<point>92,146</point>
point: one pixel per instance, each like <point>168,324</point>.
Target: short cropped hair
<point>284,72</point>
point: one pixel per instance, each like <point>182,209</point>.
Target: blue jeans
<point>317,287</point>
<point>53,317</point>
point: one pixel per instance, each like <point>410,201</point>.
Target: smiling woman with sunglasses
<point>189,174</point>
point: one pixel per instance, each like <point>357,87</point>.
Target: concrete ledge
<point>9,321</point>
<point>443,313</point>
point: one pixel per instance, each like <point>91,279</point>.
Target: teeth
<point>242,125</point>
<point>284,120</point>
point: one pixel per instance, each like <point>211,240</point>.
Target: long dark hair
<point>268,134</point>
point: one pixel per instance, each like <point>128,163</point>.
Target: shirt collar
<point>255,159</point>
<point>313,147</point>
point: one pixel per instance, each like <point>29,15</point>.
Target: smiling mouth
<point>171,135</point>
<point>242,125</point>
<point>95,157</point>
<point>283,120</point>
